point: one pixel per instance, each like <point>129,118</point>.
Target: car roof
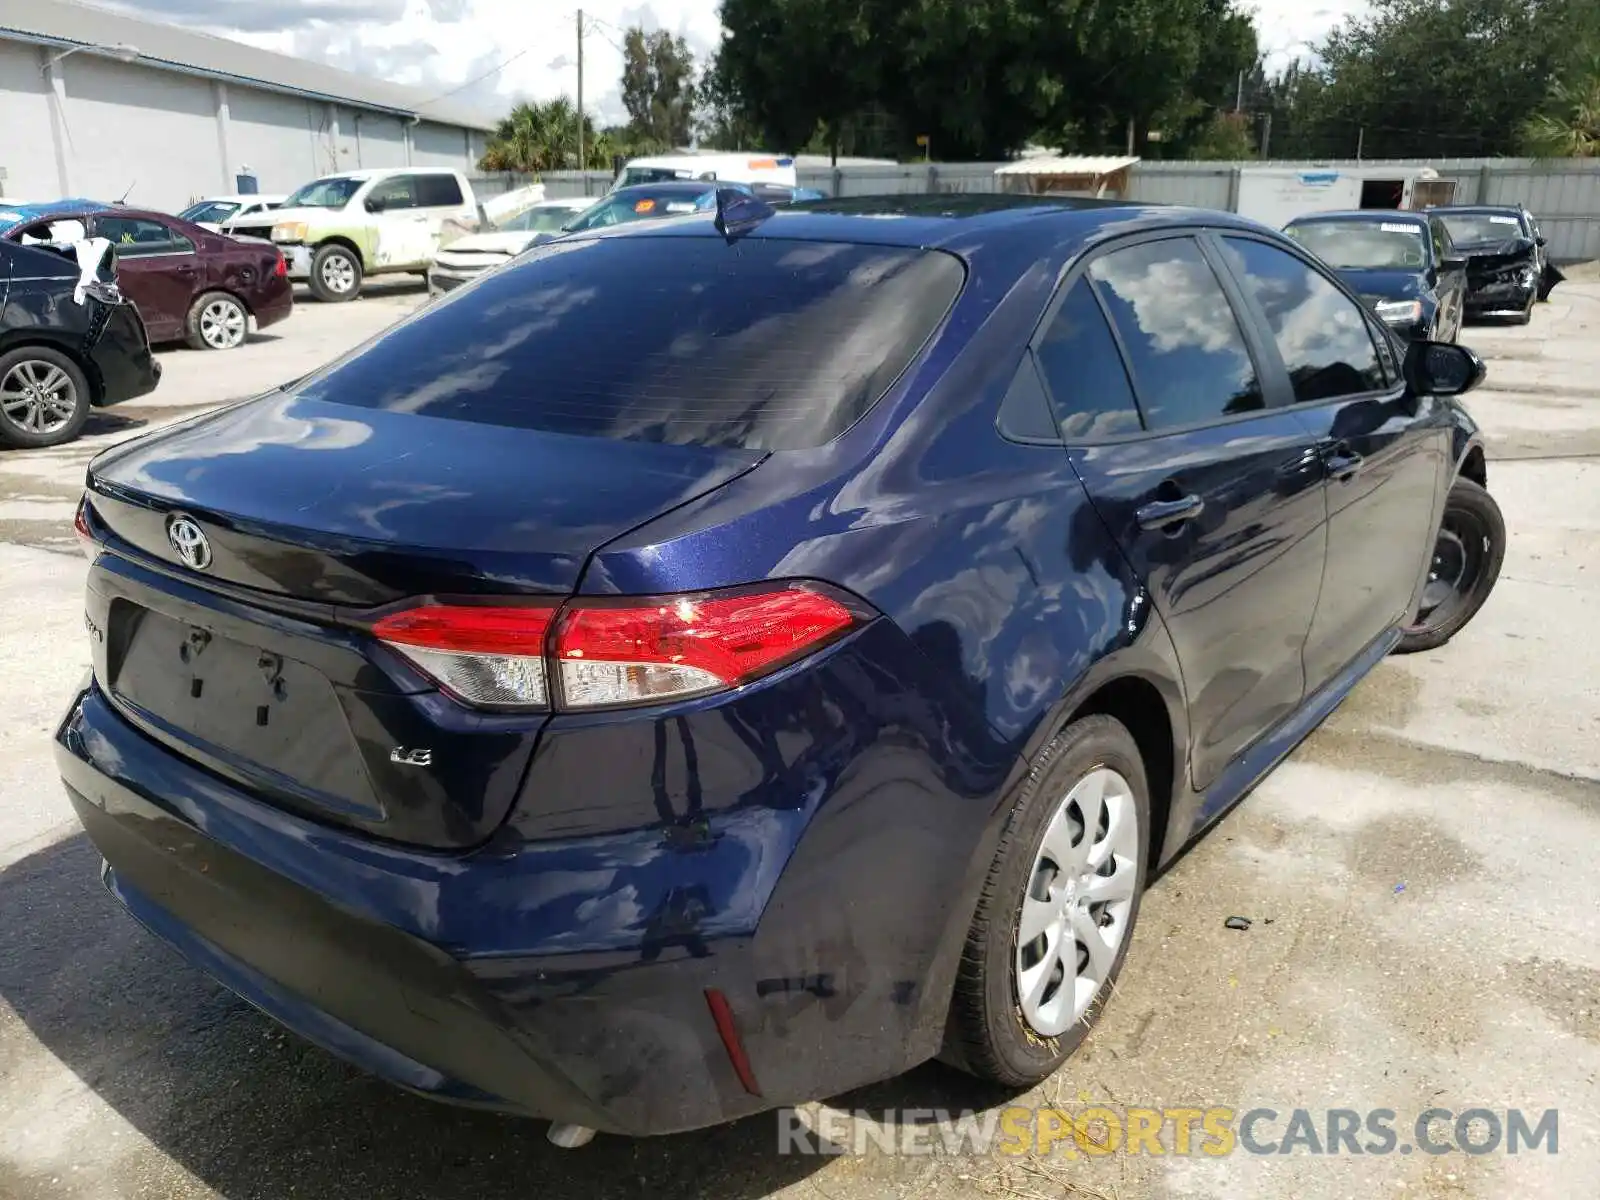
<point>1363,214</point>
<point>241,199</point>
<point>565,202</point>
<point>959,223</point>
<point>1479,208</point>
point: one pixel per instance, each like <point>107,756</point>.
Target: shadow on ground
<point>252,1111</point>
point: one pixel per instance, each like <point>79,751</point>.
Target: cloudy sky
<point>497,50</point>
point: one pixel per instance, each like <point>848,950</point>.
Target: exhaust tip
<point>570,1137</point>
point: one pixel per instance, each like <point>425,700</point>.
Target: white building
<point>97,104</point>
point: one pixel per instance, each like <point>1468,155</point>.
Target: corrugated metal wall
<point>1565,196</point>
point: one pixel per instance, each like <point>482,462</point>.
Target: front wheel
<point>335,274</point>
<point>1056,914</point>
<point>1467,555</point>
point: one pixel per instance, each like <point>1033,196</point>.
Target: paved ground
<point>1470,776</point>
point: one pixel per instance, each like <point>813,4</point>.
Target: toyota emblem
<point>189,541</point>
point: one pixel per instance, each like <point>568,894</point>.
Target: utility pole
<point>1238,99</point>
<point>581,160</point>
<point>1361,142</point>
<point>1266,134</point>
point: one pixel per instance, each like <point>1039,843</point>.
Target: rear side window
<point>1190,362</point>
<point>1321,333</point>
<point>1083,369</point>
<point>764,344</point>
<point>437,191</point>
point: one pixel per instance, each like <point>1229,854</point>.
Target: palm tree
<point>541,137</point>
<point>1571,129</point>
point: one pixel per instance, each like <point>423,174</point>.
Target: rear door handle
<point>1168,515</point>
<point>1343,463</point>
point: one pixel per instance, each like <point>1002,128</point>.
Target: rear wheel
<point>216,321</point>
<point>335,274</point>
<point>1467,556</point>
<point>44,398</point>
<point>1056,914</point>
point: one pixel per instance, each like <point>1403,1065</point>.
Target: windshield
<point>213,211</point>
<point>539,220</point>
<point>769,345</point>
<point>324,193</point>
<point>1364,245</point>
<point>1478,229</point>
<point>619,208</point>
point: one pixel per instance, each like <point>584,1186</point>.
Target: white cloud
<point>438,45</point>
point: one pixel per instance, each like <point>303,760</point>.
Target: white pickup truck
<point>337,230</point>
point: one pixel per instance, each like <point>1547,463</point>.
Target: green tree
<point>1570,126</point>
<point>1442,78</point>
<point>658,87</point>
<point>543,137</point>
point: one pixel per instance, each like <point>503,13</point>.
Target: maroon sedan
<point>189,284</point>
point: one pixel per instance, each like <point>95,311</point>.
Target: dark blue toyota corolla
<point>727,660</point>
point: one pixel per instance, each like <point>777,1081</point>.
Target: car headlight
<point>1399,312</point>
<point>289,231</point>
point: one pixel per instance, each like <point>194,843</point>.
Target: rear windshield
<point>764,344</point>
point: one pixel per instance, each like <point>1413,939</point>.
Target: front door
<point>1386,452</point>
<point>1214,497</point>
<point>157,268</point>
<point>1449,282</point>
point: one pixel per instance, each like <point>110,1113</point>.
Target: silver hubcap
<point>339,273</point>
<point>222,324</point>
<point>38,397</point>
<point>1075,914</point>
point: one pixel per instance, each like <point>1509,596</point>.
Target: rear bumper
<point>273,304</point>
<point>568,977</point>
<point>121,359</point>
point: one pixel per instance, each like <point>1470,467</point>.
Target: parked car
<point>220,213</point>
<point>653,201</point>
<point>1403,264</point>
<point>1508,263</point>
<point>64,351</point>
<point>718,663</point>
<point>338,230</point>
<point>464,259</point>
<point>709,167</point>
<point>778,193</point>
<point>189,284</point>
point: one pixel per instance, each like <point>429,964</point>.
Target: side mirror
<point>1452,262</point>
<point>1541,240</point>
<point>1442,369</point>
<point>375,205</point>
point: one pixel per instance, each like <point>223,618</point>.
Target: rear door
<point>408,232</point>
<point>1212,493</point>
<point>1385,451</point>
<point>157,268</point>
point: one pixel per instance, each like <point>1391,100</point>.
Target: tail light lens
<point>612,653</point>
<point>80,526</point>
<point>280,268</point>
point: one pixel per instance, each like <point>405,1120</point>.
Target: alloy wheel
<point>1076,911</point>
<point>338,273</point>
<point>223,324</point>
<point>38,397</point>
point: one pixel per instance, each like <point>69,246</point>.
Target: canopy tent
<point>1082,175</point>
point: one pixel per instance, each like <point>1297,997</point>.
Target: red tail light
<point>280,268</point>
<point>80,526</point>
<point>609,653</point>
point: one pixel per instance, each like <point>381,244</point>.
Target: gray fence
<point>1564,195</point>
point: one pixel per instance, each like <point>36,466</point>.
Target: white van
<point>725,168</point>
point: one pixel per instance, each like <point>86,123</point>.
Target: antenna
<point>131,186</point>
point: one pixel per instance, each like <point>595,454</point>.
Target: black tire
<point>323,267</point>
<point>987,1034</point>
<point>206,329</point>
<point>1468,553</point>
<point>37,363</point>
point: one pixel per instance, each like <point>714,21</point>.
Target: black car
<point>64,350</point>
<point>1402,264</point>
<point>1508,264</point>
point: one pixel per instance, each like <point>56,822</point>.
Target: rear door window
<point>139,237</point>
<point>1190,362</point>
<point>764,344</point>
<point>392,194</point>
<point>1083,369</point>
<point>438,191</point>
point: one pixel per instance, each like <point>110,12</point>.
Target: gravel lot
<point>1471,776</point>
